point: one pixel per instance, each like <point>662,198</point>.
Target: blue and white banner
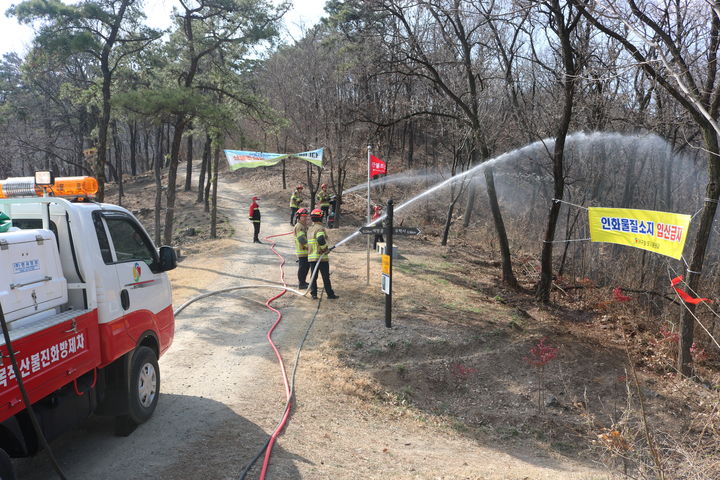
<point>249,159</point>
<point>313,156</point>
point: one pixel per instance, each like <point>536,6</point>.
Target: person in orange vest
<point>301,246</point>
<point>254,216</point>
<point>318,249</point>
<point>323,198</point>
<point>296,199</point>
<point>377,213</point>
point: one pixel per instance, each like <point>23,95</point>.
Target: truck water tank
<point>31,278</point>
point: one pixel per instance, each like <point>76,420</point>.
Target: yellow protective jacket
<point>323,199</point>
<point>301,240</point>
<point>296,199</point>
<point>318,243</point>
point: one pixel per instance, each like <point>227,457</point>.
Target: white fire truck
<point>88,311</point>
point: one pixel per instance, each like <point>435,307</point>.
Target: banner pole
<point>367,278</point>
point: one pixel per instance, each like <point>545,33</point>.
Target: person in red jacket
<point>254,216</point>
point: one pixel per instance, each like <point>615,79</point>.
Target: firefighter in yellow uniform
<point>323,198</point>
<point>318,249</point>
<point>296,199</point>
<point>301,246</point>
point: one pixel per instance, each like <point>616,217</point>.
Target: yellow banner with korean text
<point>659,232</point>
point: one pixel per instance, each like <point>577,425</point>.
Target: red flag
<point>377,166</point>
<point>684,295</point>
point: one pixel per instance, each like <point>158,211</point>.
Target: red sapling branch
<point>541,354</point>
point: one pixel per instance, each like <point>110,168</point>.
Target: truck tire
<point>7,472</point>
<point>144,385</point>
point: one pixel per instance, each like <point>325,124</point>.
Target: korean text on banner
<point>313,156</point>
<point>377,166</point>
<point>659,232</point>
<point>248,159</point>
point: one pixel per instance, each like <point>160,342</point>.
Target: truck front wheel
<point>144,385</point>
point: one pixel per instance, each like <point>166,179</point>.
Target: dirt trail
<point>222,394</point>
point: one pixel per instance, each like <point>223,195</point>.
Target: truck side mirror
<point>168,258</point>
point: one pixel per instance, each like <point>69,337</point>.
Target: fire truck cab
<point>88,311</point>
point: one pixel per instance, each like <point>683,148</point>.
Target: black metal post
<point>389,251</point>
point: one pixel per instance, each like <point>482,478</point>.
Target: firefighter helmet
<point>299,187</point>
<point>316,215</point>
<point>323,186</point>
<point>302,212</point>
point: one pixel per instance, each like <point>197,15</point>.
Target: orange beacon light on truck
<point>60,187</point>
<point>74,186</point>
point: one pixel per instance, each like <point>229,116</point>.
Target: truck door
<point>143,290</point>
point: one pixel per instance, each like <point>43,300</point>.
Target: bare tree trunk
<point>158,184</point>
<point>341,175</point>
<point>168,147</point>
<point>180,124</point>
<point>48,145</point>
<point>448,222</point>
<point>108,157</point>
<point>188,170</point>
<point>508,277</point>
<point>204,168</point>
<point>121,185</point>
<point>712,194</point>
<point>284,174</point>
<point>545,284</point>
<point>411,144</point>
<point>146,141</point>
<point>102,135</point>
<point>470,205</point>
<point>213,213</point>
<point>568,234</point>
<point>133,129</point>
<point>118,171</point>
<point>210,172</point>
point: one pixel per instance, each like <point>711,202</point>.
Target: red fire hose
<point>288,392</point>
<point>289,385</point>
